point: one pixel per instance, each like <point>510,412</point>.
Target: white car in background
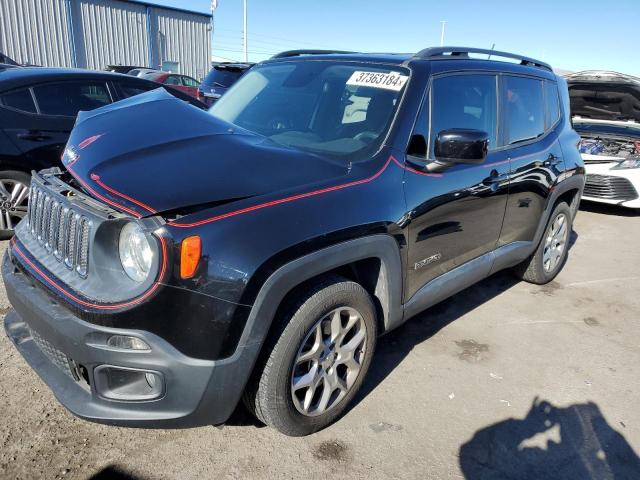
<point>605,109</point>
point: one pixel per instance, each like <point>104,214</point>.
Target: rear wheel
<point>316,359</point>
<point>14,195</point>
<point>549,258</point>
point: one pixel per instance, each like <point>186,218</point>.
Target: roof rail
<point>298,53</point>
<point>439,53</point>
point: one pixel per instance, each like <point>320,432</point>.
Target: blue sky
<point>569,34</point>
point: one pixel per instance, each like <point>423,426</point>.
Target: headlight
<point>136,254</point>
<point>628,163</point>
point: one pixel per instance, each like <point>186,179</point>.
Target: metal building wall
<point>182,37</point>
<point>96,33</point>
<point>110,33</point>
<point>36,31</point>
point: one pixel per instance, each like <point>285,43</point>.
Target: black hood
<point>604,96</point>
<point>155,153</point>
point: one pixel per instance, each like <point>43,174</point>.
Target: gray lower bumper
<point>197,392</point>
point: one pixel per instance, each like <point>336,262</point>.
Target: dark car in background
<point>219,79</point>
<point>38,108</point>
<point>184,83</point>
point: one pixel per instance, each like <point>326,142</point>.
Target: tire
<point>270,392</point>
<point>545,264</point>
<point>12,209</point>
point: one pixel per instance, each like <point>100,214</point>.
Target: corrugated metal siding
<point>36,31</point>
<point>184,38</point>
<point>104,32</point>
<point>111,33</point>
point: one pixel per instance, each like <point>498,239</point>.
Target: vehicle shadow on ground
<point>113,472</point>
<point>608,209</point>
<point>569,443</point>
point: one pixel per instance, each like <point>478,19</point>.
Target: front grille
<point>60,230</point>
<point>609,188</point>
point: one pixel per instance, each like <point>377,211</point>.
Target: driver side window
<point>464,101</point>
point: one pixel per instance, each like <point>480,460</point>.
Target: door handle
<point>494,177</point>
<point>33,136</point>
<point>552,160</point>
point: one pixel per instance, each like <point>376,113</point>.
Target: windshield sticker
<point>388,81</point>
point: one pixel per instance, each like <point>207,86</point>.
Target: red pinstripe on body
<point>300,196</point>
<point>413,170</point>
<point>113,306</point>
<point>96,178</point>
<point>102,197</point>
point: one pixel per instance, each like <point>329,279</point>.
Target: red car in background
<point>183,83</point>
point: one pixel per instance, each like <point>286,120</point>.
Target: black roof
<point>17,77</point>
<point>446,58</point>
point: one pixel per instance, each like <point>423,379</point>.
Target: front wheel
<point>14,195</point>
<point>549,258</point>
<point>316,360</point>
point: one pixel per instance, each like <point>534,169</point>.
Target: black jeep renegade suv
<point>184,259</point>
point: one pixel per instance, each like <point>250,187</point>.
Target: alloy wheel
<point>328,361</point>
<point>14,196</point>
<point>555,243</point>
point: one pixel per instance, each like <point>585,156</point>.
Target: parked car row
<point>38,109</point>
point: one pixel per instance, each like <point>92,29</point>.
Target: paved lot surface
<point>505,380</point>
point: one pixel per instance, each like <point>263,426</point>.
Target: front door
<point>455,215</point>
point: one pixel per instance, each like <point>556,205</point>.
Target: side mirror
<point>461,145</point>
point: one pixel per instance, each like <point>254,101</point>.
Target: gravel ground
<point>504,380</point>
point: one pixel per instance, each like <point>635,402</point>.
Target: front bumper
<point>196,392</point>
<point>615,187</point>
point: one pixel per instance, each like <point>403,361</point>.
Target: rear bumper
<point>53,341</point>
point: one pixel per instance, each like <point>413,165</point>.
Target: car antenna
<point>493,47</point>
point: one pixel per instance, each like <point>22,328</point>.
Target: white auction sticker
<point>388,81</point>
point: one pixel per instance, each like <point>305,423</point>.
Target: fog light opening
<point>128,384</point>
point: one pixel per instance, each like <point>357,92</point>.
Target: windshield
<point>318,106</point>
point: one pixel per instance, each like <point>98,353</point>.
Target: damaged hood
<point>601,95</point>
<point>154,153</point>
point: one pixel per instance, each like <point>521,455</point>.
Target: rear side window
<point>189,82</point>
<point>464,101</point>
<point>172,80</point>
<point>525,109</point>
<point>68,98</point>
<point>19,100</point>
<point>553,103</point>
<point>130,89</point>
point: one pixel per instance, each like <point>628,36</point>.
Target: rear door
<point>456,214</point>
<point>42,134</point>
<point>530,123</point>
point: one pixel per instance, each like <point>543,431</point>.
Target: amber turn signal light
<point>189,256</point>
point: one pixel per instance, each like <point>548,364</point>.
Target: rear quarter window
<point>19,100</point>
<point>552,100</point>
<point>131,89</point>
